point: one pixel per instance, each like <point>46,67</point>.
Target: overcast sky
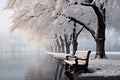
<point>4,18</point>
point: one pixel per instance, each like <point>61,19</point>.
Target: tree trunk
<point>67,43</point>
<point>100,33</point>
<point>62,45</point>
<point>100,49</point>
<point>75,43</point>
<point>59,48</point>
<point>55,48</point>
<point>67,48</point>
<point>100,39</point>
<point>62,49</point>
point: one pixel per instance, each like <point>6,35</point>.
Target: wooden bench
<point>78,62</point>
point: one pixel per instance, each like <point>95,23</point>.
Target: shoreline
<point>103,69</point>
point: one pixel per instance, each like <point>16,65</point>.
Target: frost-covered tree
<point>57,46</point>
<point>62,45</point>
<point>99,7</point>
<point>41,19</point>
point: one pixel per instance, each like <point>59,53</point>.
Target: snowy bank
<point>100,67</point>
<point>104,67</point>
<point>58,55</point>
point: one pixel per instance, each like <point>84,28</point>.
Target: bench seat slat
<point>71,62</point>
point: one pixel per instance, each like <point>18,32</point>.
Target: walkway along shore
<point>100,69</point>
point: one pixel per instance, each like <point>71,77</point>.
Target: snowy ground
<point>101,67</point>
<point>104,67</point>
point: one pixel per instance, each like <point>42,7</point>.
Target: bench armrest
<point>76,60</point>
<point>67,57</point>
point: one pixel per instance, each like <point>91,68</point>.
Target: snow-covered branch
<point>39,17</point>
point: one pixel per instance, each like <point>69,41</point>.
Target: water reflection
<point>30,66</point>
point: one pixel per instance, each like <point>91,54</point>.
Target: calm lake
<point>32,66</point>
<point>29,66</point>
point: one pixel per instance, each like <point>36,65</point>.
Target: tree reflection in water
<point>48,68</point>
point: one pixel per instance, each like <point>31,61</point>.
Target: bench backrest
<point>83,55</point>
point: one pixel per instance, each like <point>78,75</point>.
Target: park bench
<point>77,63</point>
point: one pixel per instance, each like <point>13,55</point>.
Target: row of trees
<point>18,48</point>
<point>12,48</point>
<point>62,43</point>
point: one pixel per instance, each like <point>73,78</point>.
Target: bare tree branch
<point>84,25</point>
<point>86,4</point>
<point>79,32</point>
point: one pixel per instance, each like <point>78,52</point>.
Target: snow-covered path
<point>100,67</point>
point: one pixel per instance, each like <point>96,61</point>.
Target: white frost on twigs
<point>39,19</point>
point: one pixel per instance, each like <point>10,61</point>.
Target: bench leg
<point>79,68</point>
<point>75,68</point>
<point>66,67</point>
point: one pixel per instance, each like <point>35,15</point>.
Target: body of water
<point>29,66</point>
<point>33,66</point>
